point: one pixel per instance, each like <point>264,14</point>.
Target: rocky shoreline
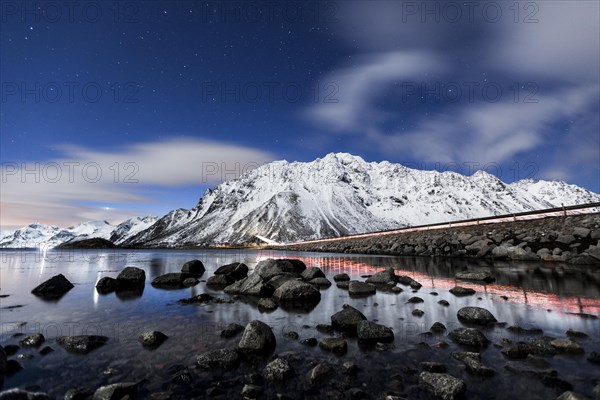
<point>567,239</point>
<point>248,366</point>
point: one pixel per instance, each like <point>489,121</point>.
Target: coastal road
<point>529,215</point>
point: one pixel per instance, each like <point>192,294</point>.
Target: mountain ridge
<point>342,194</point>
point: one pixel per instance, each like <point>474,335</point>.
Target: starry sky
<point>116,109</point>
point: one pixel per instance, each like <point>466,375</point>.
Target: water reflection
<point>530,290</point>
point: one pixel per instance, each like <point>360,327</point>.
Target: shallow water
<point>545,296</point>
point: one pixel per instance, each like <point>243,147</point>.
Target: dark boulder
<point>107,284</point>
<point>219,281</point>
<point>357,288</point>
<point>117,391</point>
<point>131,277</point>
<point>257,338</point>
<point>347,319</point>
<point>319,373</point>
<point>252,285</point>
<point>368,331</point>
<point>152,339</point>
<point>341,277</point>
<point>279,280</point>
<point>337,346</point>
<point>476,315</point>
<point>320,282</point>
<point>312,273</point>
<point>231,330</point>
<point>383,277</point>
<point>297,292</point>
<point>34,340</point>
<point>171,280</point>
<point>235,271</point>
<point>226,359</point>
<point>475,276</point>
<point>82,344</point>
<point>53,288</point>
<point>469,337</point>
<point>193,267</point>
<point>460,291</point>
<point>278,370</point>
<point>269,268</point>
<point>444,386</point>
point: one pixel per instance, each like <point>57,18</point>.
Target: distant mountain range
<point>46,236</point>
<point>337,195</point>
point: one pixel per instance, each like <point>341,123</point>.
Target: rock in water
<point>347,319</point>
<point>476,315</point>
<point>226,359</point>
<point>337,346</point>
<point>152,339</point>
<point>278,370</point>
<point>269,268</point>
<point>117,391</point>
<point>341,277</point>
<point>443,385</point>
<point>297,292</point>
<point>567,346</point>
<point>383,277</point>
<point>460,291</point>
<point>469,337</point>
<point>475,276</point>
<point>54,287</point>
<point>312,273</point>
<point>320,282</point>
<point>252,285</point>
<point>267,304</point>
<point>34,340</point>
<point>194,267</point>
<point>234,271</point>
<point>357,288</point>
<point>231,330</point>
<point>219,281</point>
<point>172,280</point>
<point>81,344</point>
<point>368,331</point>
<point>131,277</point>
<point>257,338</point>
<point>319,373</point>
<point>107,284</point>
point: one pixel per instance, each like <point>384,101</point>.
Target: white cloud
<point>359,86</point>
<point>559,54</point>
<point>59,191</point>
<point>488,132</point>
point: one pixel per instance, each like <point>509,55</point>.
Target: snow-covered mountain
<point>342,194</point>
<point>37,235</point>
<point>130,228</point>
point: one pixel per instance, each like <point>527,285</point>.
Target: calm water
<point>544,296</point>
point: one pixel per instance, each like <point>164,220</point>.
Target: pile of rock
<point>572,239</point>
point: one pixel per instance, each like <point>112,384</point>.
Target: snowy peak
<point>343,194</point>
<point>37,235</point>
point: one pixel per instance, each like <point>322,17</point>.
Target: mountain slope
<point>46,236</point>
<point>342,194</point>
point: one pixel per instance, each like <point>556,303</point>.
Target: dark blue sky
<point>162,91</point>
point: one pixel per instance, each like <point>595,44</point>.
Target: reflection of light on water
<point>102,261</point>
<point>515,294</point>
<point>43,253</point>
<point>96,295</point>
